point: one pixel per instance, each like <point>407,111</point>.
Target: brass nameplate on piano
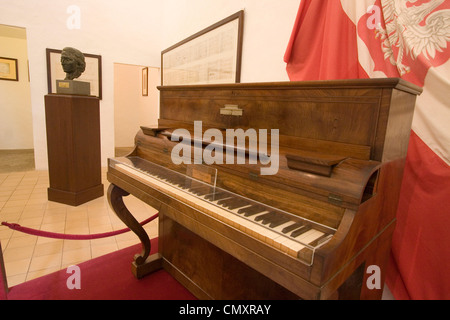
<point>231,110</point>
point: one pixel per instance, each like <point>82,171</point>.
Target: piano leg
<point>143,263</point>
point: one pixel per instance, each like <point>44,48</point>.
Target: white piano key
<point>309,236</point>
<point>291,247</point>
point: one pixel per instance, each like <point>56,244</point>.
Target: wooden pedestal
<point>73,146</point>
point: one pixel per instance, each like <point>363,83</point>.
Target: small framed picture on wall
<point>9,69</point>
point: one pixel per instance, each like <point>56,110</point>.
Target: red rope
<point>40,233</point>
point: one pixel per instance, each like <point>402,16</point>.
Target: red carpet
<point>107,277</point>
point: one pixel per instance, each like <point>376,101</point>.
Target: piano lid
<point>391,83</point>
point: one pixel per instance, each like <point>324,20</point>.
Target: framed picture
<point>9,69</point>
<point>92,74</point>
<point>145,81</point>
<point>212,55</point>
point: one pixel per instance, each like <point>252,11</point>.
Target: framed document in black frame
<point>212,55</point>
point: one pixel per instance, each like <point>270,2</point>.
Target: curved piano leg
<point>143,263</point>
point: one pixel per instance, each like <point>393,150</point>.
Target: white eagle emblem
<point>414,30</point>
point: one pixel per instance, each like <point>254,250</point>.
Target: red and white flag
<point>351,39</point>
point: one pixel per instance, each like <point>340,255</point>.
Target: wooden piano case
<point>342,147</point>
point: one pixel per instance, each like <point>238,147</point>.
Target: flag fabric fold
<point>409,39</point>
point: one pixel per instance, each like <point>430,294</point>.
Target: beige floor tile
<point>31,222</point>
<point>5,236</point>
<point>39,273</point>
<point>100,229</point>
<point>100,220</point>
<point>70,245</point>
<point>76,256</point>
<point>37,203</point>
<point>36,194</point>
<point>53,218</point>
<point>16,279</point>
<point>55,211</point>
<point>43,240</point>
<point>15,204</point>
<point>19,240</point>
<point>47,248</point>
<point>20,197</point>
<point>100,250</point>
<point>57,227</point>
<point>18,253</point>
<point>45,262</point>
<point>152,230</point>
<point>10,216</point>
<point>80,228</point>
<point>127,243</point>
<point>17,267</point>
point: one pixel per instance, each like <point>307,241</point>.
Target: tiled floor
<point>23,200</point>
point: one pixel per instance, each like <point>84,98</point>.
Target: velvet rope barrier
<point>53,235</point>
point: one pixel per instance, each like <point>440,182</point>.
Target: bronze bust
<point>73,63</point>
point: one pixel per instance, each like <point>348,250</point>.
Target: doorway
<point>16,122</point>
<point>133,105</point>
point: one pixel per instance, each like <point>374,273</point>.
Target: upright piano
<point>306,213</point>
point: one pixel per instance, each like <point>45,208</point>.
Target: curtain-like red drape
<point>345,39</point>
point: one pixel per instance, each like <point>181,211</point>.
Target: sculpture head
<point>73,63</point>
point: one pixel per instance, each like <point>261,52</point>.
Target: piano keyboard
<point>288,233</point>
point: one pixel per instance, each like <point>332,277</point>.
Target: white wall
<point>135,32</point>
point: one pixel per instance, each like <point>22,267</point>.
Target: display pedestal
<point>73,146</point>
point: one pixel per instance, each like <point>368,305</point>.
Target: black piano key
<point>227,201</point>
<point>292,227</point>
<point>201,191</point>
<point>252,213</point>
<point>251,209</point>
<point>223,201</point>
<point>269,218</point>
<point>300,231</point>
<point>232,203</point>
<point>217,196</point>
<point>264,216</point>
<point>237,204</point>
<point>173,179</point>
<point>279,220</point>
